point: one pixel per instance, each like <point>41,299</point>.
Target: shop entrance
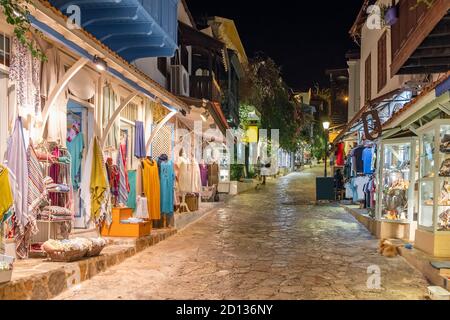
<point>79,128</point>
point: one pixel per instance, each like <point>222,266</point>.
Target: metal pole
<point>326,152</point>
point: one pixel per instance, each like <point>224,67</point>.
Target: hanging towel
<point>139,140</point>
<point>100,195</point>
<point>36,188</point>
<point>123,190</point>
<point>85,185</point>
<point>132,195</point>
<point>76,147</point>
<point>17,164</point>
<point>6,200</point>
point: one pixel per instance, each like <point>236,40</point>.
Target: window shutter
<point>368,79</point>
<point>382,62</point>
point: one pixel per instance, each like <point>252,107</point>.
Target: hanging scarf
<point>85,185</point>
<point>100,194</point>
<point>17,164</point>
<point>123,181</point>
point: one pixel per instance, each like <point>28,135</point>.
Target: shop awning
<point>132,28</point>
<point>213,108</point>
<point>423,108</point>
<point>356,123</point>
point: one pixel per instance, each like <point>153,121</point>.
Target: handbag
<point>444,171</point>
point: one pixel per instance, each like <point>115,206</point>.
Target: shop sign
<point>251,135</point>
<point>372,130</point>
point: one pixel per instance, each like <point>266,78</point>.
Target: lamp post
<point>326,127</point>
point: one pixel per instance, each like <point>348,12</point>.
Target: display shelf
<point>434,186</point>
<point>396,179</point>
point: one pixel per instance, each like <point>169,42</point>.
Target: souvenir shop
<point>357,163</point>
<point>403,177</point>
<point>84,147</point>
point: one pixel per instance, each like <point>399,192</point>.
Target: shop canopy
<point>134,29</point>
<point>421,110</point>
<point>386,105</point>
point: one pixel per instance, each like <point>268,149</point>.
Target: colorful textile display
<point>124,187</point>
<point>76,147</point>
<point>6,200</point>
<point>17,164</point>
<point>167,182</point>
<point>131,203</point>
<point>25,72</point>
<point>85,186</point>
<point>139,140</point>
<point>36,187</point>
<point>204,174</point>
<point>184,176</point>
<point>100,194</point>
<point>213,174</point>
<point>152,188</point>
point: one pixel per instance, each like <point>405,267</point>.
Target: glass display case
<point>434,214</point>
<point>396,180</point>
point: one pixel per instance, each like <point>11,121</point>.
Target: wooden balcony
<point>421,37</point>
<point>205,87</point>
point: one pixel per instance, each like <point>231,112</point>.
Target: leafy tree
<point>265,89</point>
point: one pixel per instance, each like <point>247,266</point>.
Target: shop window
<point>382,62</point>
<point>368,79</point>
<point>5,50</point>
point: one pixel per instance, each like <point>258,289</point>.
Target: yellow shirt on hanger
<point>152,191</point>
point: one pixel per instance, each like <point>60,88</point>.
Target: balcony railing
<point>205,87</point>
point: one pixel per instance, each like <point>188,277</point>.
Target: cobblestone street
<point>269,244</point>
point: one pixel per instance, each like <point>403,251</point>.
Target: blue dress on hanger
<point>167,183</point>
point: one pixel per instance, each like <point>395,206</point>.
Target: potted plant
<point>6,268</point>
<point>390,15</point>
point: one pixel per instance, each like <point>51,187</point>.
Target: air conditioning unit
<point>179,80</point>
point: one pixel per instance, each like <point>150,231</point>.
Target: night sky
<point>304,37</point>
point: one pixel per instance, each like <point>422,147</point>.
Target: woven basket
<point>95,251</point>
<point>67,256</point>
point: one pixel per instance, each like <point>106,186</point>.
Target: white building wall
<point>369,45</point>
<point>354,97</point>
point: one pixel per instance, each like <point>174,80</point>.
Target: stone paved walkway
<point>270,244</point>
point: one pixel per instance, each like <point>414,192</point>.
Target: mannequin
<point>184,180</point>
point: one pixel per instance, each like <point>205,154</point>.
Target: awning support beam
<point>115,116</point>
<point>59,88</point>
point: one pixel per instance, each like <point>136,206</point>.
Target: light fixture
<point>205,116</point>
<point>100,64</point>
<point>326,125</point>
<point>346,98</point>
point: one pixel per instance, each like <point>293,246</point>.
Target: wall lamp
<point>100,63</point>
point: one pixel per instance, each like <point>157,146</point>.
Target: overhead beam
<point>59,88</point>
<point>116,116</point>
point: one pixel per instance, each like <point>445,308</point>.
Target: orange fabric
<point>152,190</point>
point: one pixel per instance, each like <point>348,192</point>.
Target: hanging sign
<point>372,130</point>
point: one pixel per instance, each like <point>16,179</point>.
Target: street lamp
<point>326,127</point>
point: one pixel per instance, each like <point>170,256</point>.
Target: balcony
<point>132,28</point>
<point>205,87</point>
<point>421,37</point>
